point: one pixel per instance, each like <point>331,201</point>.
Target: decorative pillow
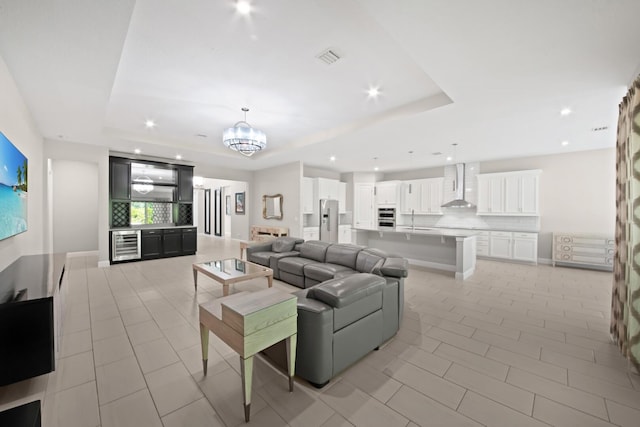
<point>283,244</point>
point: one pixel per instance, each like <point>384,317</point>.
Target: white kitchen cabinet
<point>308,205</point>
<point>387,193</point>
<point>342,197</point>
<point>482,243</point>
<point>311,233</point>
<point>344,234</point>
<point>422,196</point>
<point>516,245</point>
<point>328,188</point>
<point>509,193</point>
<point>500,244</point>
<point>431,196</point>
<point>363,207</point>
<point>410,196</point>
<point>525,246</point>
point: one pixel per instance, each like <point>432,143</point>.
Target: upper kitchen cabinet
<point>422,196</point>
<point>363,215</point>
<point>185,183</point>
<point>509,193</point>
<point>387,193</point>
<point>308,187</point>
<point>342,197</point>
<point>120,182</point>
<point>328,188</point>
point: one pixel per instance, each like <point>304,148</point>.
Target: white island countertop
<point>447,249</point>
<point>424,231</point>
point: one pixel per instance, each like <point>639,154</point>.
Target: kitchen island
<point>437,248</point>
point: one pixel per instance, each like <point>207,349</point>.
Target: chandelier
<point>243,138</point>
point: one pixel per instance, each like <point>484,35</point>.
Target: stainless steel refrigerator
<point>329,220</point>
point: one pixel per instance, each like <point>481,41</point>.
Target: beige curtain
<point>625,302</point>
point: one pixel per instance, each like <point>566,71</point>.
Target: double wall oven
<point>386,217</point>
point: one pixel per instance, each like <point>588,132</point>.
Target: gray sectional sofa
<point>352,301</point>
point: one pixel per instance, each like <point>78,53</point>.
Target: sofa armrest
<point>259,247</point>
<point>395,267</point>
<point>346,290</point>
<point>314,353</point>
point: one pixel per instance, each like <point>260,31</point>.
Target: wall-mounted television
<point>13,189</point>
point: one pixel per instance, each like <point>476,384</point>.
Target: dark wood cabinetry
<point>151,244</point>
<point>168,242</point>
<point>189,241</point>
<point>120,179</point>
<point>185,184</point>
<point>172,242</point>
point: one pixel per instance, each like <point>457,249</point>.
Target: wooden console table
<point>262,232</point>
<point>250,322</point>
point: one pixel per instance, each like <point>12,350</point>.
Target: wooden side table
<point>250,322</point>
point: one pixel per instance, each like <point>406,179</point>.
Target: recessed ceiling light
<point>449,158</point>
<point>564,143</point>
<point>373,92</point>
<point>243,7</point>
<point>178,156</point>
<point>149,123</point>
<point>565,111</point>
<point>376,168</point>
<point>137,151</point>
<point>332,158</point>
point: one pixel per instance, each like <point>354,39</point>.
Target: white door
<point>363,206</point>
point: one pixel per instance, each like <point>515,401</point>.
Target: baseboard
<point>103,264</point>
<point>81,254</point>
<point>545,261</point>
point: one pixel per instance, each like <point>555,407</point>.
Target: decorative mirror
<point>272,206</point>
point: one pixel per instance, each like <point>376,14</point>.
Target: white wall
<point>73,152</point>
<point>285,180</point>
<point>18,126</point>
<point>75,206</point>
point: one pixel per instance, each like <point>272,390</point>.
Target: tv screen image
<point>13,189</point>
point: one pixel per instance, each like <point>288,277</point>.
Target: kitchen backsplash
<point>467,218</point>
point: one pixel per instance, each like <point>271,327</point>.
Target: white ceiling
<point>491,76</point>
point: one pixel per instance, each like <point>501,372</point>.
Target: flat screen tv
<point>13,189</point>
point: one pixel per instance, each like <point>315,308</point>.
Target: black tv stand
<point>29,300</point>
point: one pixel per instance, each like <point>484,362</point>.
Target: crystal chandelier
<point>243,138</point>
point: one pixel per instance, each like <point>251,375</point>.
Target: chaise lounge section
<point>352,302</point>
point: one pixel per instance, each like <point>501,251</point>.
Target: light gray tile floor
<point>513,345</point>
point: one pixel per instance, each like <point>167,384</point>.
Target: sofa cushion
<point>343,254</point>
<point>370,260</point>
<point>323,271</point>
<point>284,244</point>
<point>294,265</point>
<point>341,292</point>
<point>314,249</point>
<point>261,258</point>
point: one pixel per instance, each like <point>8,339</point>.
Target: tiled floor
<point>515,345</point>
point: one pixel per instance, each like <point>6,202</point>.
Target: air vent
<point>601,128</point>
<point>437,153</point>
<point>328,57</point>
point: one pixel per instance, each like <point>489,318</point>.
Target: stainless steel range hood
<point>458,188</point>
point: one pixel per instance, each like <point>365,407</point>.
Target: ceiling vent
<point>601,128</point>
<point>328,57</point>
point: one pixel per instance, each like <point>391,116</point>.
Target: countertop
<point>424,231</point>
<point>150,227</point>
